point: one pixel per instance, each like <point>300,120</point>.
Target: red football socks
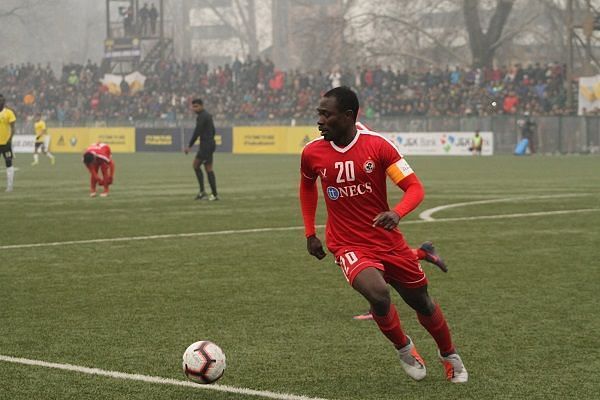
<point>438,328</point>
<point>390,327</point>
<point>420,253</point>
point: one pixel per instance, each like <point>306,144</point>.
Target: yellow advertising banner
<point>272,139</point>
<point>158,140</point>
<point>298,136</point>
<point>258,139</point>
<point>76,140</point>
<point>120,140</point>
<point>68,140</point>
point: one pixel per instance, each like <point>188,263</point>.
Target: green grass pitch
<point>521,296</point>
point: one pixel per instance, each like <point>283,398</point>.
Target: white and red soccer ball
<point>203,362</point>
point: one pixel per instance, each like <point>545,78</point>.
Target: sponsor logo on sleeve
<point>404,167</point>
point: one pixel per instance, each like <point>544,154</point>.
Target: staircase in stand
<point>154,55</point>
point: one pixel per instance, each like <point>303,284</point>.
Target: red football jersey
<point>100,150</point>
<point>353,180</point>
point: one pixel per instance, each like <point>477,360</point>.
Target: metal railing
<point>554,135</point>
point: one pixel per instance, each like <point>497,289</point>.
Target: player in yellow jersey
<point>7,130</point>
<point>42,140</point>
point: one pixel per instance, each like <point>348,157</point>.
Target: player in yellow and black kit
<point>7,130</point>
<point>42,140</point>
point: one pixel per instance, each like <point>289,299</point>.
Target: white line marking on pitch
<point>289,228</point>
<point>150,237</point>
<point>156,379</point>
<point>517,215</point>
<point>427,214</point>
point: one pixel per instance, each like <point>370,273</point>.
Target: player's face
<point>2,102</point>
<point>332,123</point>
<point>197,108</point>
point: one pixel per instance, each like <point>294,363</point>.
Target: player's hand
<point>109,180</point>
<point>186,150</point>
<point>101,182</point>
<point>315,247</point>
<point>387,220</point>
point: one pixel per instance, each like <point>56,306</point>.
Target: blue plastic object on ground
<point>521,147</point>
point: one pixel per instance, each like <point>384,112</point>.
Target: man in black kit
<point>205,130</point>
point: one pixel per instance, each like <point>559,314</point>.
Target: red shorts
<point>400,266</point>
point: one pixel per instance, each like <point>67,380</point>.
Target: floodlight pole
<point>161,31</point>
<point>108,32</point>
<point>570,99</point>
<point>588,41</point>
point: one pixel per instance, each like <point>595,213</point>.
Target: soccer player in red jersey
<point>352,165</point>
<point>98,157</point>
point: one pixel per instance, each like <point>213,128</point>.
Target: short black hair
<point>346,99</point>
<point>88,158</point>
<point>197,101</point>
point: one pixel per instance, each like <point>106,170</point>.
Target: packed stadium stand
<point>256,89</point>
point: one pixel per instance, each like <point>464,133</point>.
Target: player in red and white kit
<point>98,157</point>
<point>352,165</point>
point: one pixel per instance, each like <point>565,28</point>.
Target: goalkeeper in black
<point>205,131</point>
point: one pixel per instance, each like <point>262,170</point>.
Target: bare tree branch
<point>247,38</point>
<point>220,15</point>
<point>242,15</point>
<point>415,27</point>
<point>377,53</point>
<point>512,33</point>
<point>498,20</point>
<point>583,45</point>
<point>481,43</point>
<point>471,12</point>
<point>226,22</point>
<point>14,12</point>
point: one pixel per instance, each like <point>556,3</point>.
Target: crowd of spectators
<point>256,89</point>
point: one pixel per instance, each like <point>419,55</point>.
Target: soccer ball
<point>203,362</point>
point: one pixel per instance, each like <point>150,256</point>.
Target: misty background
<point>306,33</point>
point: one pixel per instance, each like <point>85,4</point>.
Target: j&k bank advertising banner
<point>439,143</point>
<point>76,140</point>
<point>272,139</point>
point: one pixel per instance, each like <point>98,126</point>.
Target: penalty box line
<point>155,379</point>
<point>288,228</point>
